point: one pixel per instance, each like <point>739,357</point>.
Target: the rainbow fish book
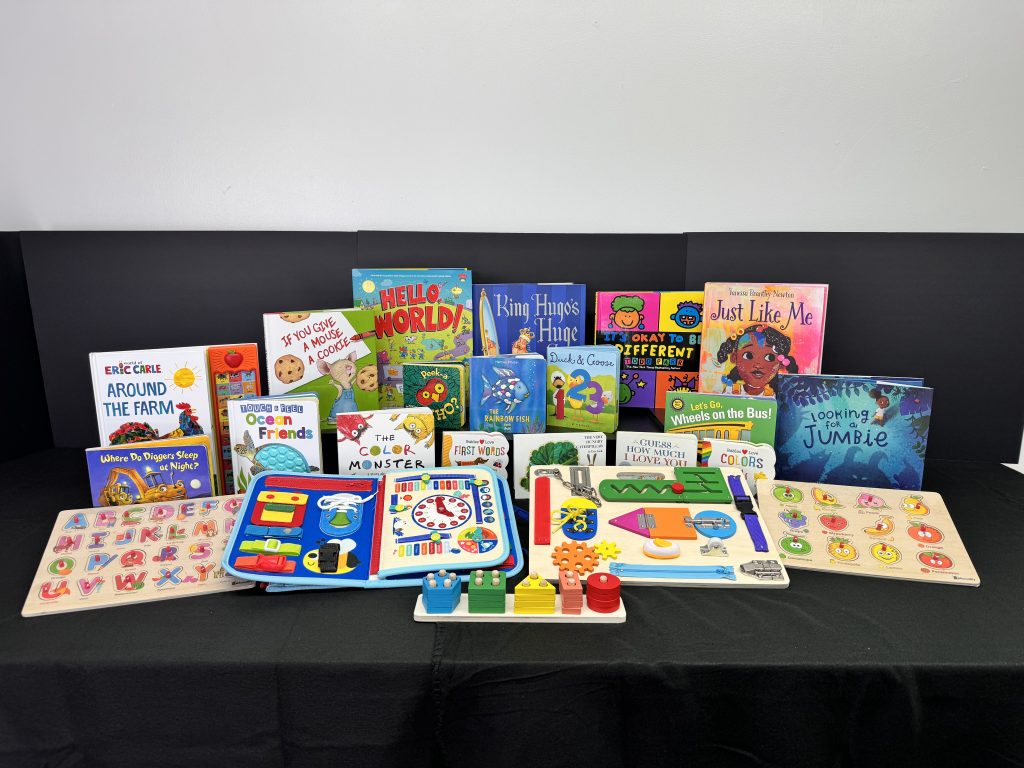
<point>755,331</point>
<point>441,387</point>
<point>506,394</point>
<point>420,315</point>
<point>852,430</point>
<point>330,353</point>
<point>659,336</point>
<point>520,318</point>
<point>581,388</point>
<point>274,434</point>
<point>234,375</point>
<point>150,471</point>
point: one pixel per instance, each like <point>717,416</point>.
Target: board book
<point>566,448</point>
<point>852,430</point>
<point>469,449</point>
<point>663,526</point>
<point>659,335</point>
<point>755,331</point>
<point>373,442</point>
<point>881,532</point>
<point>151,471</point>
<point>506,393</point>
<point>519,318</point>
<point>100,558</point>
<point>441,387</point>
<point>722,417</point>
<point>330,353</point>
<point>757,460</point>
<point>637,449</point>
<point>234,375</point>
<point>274,434</point>
<point>420,315</point>
<point>373,530</point>
<point>581,388</point>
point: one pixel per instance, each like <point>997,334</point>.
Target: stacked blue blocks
<point>441,592</point>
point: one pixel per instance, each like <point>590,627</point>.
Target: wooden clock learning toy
<point>300,531</point>
<point>665,526</point>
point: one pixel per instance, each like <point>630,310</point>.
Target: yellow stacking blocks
<point>534,595</point>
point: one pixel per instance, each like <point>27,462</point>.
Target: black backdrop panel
<point>939,306</point>
<point>97,291</point>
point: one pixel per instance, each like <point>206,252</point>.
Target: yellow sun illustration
<point>184,378</point>
<point>368,286</point>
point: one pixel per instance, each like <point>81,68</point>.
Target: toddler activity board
<point>866,531</point>
<point>665,526</point>
<point>305,530</point>
<point>97,558</point>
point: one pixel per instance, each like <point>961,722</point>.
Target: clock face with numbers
<point>441,512</point>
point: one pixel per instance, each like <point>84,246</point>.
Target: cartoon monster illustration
<point>188,421</point>
<point>841,549</point>
<point>521,346</point>
<point>914,505</point>
<point>757,354</point>
<point>687,315</point>
<point>274,457</point>
<point>352,427</point>
<point>871,501</point>
<point>341,372</point>
<point>421,427</point>
<point>626,313</point>
<point>507,390</point>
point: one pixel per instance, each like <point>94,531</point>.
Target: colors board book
<point>274,434</point>
<point>506,394</point>
<point>755,331</point>
<point>585,449</point>
<point>852,431</point>
<point>99,558</point>
<point>721,417</point>
<point>659,336</point>
<point>441,387</point>
<point>373,442</point>
<point>330,353</point>
<point>151,471</point>
<point>582,383</point>
<point>234,375</point>
<point>420,315</point>
<point>520,318</point>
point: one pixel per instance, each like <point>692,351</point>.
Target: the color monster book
<point>151,471</point>
<point>372,442</point>
<point>274,434</point>
<point>329,353</point>
<point>441,387</point>
<point>519,318</point>
<point>851,430</point>
<point>506,393</point>
<point>234,374</point>
<point>581,388</point>
<point>147,394</point>
<point>755,331</point>
<point>659,335</point>
<point>421,315</point>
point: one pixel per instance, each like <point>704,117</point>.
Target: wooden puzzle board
<point>713,570</point>
<point>886,533</point>
<point>97,558</point>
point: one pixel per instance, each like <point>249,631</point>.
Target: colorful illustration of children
<point>757,355</point>
<point>882,402</point>
<point>626,313</point>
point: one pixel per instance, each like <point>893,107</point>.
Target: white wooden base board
<point>462,614</point>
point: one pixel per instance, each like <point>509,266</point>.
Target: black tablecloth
<point>832,671</point>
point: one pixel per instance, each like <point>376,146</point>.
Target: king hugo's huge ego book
<point>755,331</point>
<point>420,315</point>
<point>519,318</point>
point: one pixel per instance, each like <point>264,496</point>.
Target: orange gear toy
<point>575,556</point>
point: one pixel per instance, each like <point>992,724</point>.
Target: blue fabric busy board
<point>301,531</point>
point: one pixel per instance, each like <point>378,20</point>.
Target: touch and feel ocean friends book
<point>151,471</point>
<point>371,442</point>
<point>721,417</point>
<point>755,331</point>
<point>234,375</point>
<point>330,353</point>
<point>852,430</point>
<point>520,318</point>
<point>274,434</point>
<point>581,388</point>
<point>420,315</point>
<point>506,393</point>
<point>441,387</point>
<point>659,335</point>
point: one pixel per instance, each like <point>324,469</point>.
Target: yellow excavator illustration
<point>119,491</point>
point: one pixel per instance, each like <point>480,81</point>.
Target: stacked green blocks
<point>486,592</point>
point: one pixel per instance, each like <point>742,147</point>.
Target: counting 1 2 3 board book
<point>662,526</point>
<point>659,335</point>
<point>274,434</point>
<point>99,558</point>
<point>420,315</point>
<point>234,375</point>
<point>506,394</point>
<point>519,318</point>
<point>372,531</point>
<point>151,471</point>
<point>330,353</point>
<point>881,532</point>
<point>581,388</point>
<point>755,331</point>
<point>374,442</point>
<point>441,387</point>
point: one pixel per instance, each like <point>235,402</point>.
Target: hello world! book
<point>420,315</point>
<point>520,318</point>
<point>582,385</point>
<point>755,331</point>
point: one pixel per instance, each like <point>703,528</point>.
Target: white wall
<point>535,115</point>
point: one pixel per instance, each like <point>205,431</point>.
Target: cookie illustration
<point>294,317</point>
<point>289,369</point>
<point>366,378</point>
